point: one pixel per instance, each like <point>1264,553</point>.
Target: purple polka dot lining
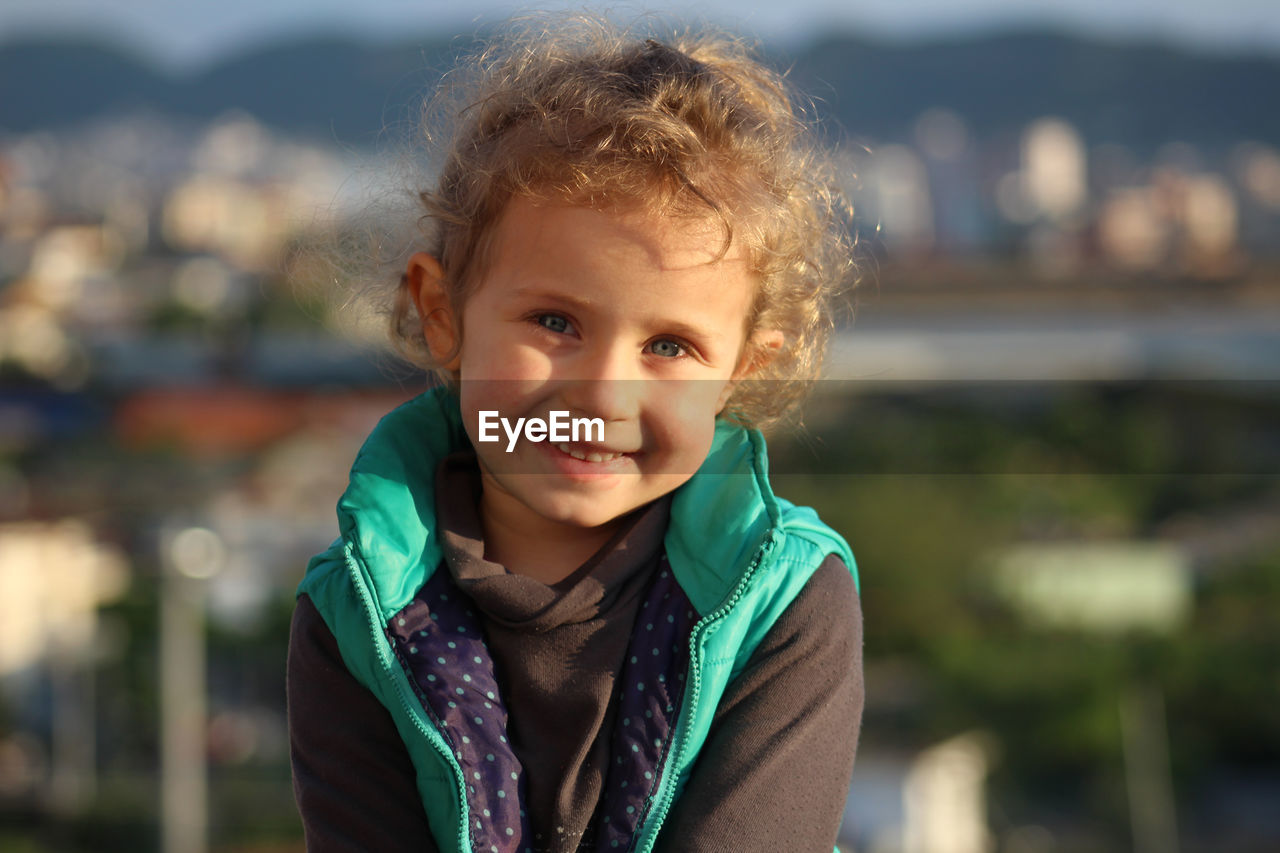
<point>438,639</point>
<point>651,688</point>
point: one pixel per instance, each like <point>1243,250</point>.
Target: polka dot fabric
<point>440,644</point>
<point>650,691</point>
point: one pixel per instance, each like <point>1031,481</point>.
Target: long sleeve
<point>774,772</point>
<point>352,777</point>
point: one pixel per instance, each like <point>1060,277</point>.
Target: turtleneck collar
<point>609,577</point>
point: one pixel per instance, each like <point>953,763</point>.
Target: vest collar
<point>720,518</point>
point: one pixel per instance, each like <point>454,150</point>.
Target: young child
<point>566,612</point>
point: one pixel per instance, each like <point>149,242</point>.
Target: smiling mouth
<point>587,455</point>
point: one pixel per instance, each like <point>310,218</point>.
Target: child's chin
<point>589,518</point>
<point>587,514</point>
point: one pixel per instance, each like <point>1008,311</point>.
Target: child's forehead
<point>559,231</point>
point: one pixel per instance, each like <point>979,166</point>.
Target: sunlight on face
<point>625,316</point>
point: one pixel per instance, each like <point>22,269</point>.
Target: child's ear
<point>757,352</point>
<point>425,281</point>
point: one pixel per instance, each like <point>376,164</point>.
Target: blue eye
<point>666,348</point>
<point>554,323</point>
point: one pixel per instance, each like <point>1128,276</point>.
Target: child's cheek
<point>513,398</point>
<point>501,361</point>
<point>685,416</point>
<point>691,401</point>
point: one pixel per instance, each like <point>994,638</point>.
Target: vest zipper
<point>432,736</point>
<point>681,735</point>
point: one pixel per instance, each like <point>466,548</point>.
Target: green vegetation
<point>928,486</point>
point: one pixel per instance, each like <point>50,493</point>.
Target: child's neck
<point>540,549</point>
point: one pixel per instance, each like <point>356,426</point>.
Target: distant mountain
<point>351,92</point>
<point>55,84</point>
<point>1139,94</point>
<point>341,90</point>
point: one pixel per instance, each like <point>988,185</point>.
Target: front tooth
<point>576,454</point>
<point>587,457</point>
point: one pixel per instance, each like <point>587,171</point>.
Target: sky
<point>186,34</point>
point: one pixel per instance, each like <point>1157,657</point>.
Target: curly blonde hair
<point>582,112</point>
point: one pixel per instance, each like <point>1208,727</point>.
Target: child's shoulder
<point>803,524</point>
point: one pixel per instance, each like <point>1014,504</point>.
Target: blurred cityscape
<point>1050,435</point>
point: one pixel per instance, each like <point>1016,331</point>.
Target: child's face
<point>624,316</point>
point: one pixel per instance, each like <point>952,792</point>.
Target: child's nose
<point>608,385</point>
